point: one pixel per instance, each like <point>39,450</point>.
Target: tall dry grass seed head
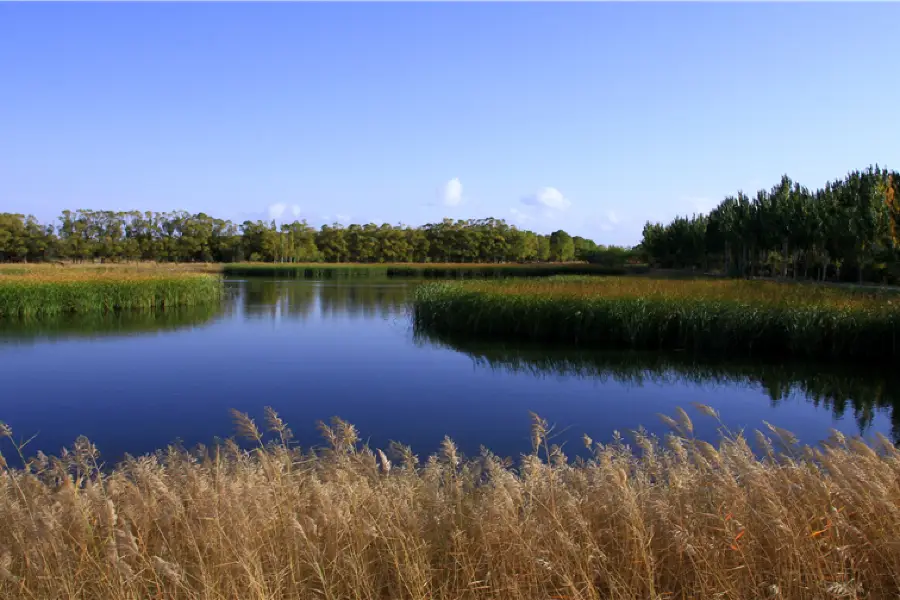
<point>681,518</point>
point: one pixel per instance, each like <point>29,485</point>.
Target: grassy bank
<point>425,270</point>
<point>54,268</point>
<point>726,317</point>
<point>678,519</point>
<point>47,292</point>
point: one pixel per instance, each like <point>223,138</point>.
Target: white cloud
<point>520,216</point>
<point>548,197</point>
<point>613,217</point>
<point>606,224</point>
<point>451,192</point>
<point>278,210</point>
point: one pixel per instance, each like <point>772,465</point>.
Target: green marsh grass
<point>56,268</point>
<point>425,270</point>
<point>724,317</point>
<point>660,519</point>
<point>47,292</point>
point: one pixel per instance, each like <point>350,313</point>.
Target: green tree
<point>562,247</point>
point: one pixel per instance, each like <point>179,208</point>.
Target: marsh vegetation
<point>731,317</point>
<point>53,291</point>
<point>662,518</point>
<point>422,270</point>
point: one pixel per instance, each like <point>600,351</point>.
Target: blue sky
<point>588,117</point>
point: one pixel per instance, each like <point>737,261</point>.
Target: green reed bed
<point>305,271</point>
<point>726,317</point>
<point>53,293</point>
<point>435,271</point>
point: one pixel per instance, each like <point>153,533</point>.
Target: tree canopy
<point>848,228</point>
<point>109,236</point>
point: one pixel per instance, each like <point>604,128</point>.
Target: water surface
<point>312,350</point>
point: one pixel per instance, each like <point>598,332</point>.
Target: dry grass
<point>723,290</point>
<point>679,518</point>
<point>61,269</point>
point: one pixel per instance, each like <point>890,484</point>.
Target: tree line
<point>110,236</point>
<point>846,230</point>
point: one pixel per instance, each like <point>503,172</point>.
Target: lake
<point>315,349</point>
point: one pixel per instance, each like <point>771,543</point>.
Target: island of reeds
<point>53,290</point>
<point>663,518</point>
<point>723,317</point>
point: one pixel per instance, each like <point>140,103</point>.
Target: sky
<point>587,117</point>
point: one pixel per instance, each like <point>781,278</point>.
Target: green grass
<point>435,271</point>
<point>722,317</point>
<point>52,293</point>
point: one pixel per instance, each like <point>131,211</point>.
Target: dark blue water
<point>313,350</point>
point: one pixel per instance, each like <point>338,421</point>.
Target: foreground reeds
<point>673,518</point>
<point>423,270</point>
<point>46,292</point>
<point>726,317</point>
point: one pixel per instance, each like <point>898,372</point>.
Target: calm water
<point>313,350</point>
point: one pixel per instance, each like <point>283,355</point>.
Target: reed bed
<point>726,317</point>
<point>424,270</point>
<point>48,292</point>
<point>117,267</point>
<point>662,519</point>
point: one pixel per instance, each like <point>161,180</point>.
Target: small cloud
<point>451,192</point>
<point>520,216</point>
<point>342,219</point>
<point>613,217</point>
<point>280,210</point>
<point>548,197</point>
